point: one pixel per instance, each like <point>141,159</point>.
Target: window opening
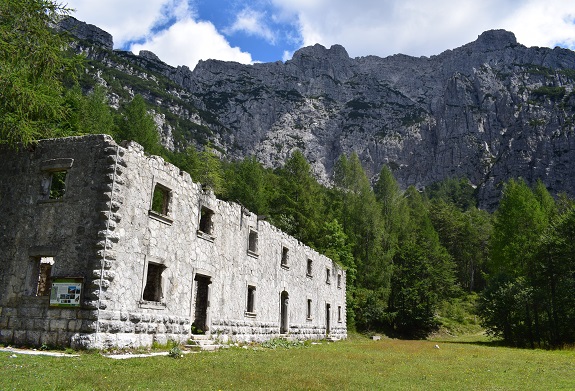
<point>161,200</point>
<point>339,280</point>
<point>309,267</point>
<point>153,289</point>
<point>327,276</point>
<point>308,309</point>
<point>57,185</point>
<point>44,273</point>
<point>251,304</point>
<point>339,313</point>
<point>206,223</point>
<point>253,242</point>
<point>285,252</point>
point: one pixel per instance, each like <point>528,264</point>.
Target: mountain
<point>488,111</point>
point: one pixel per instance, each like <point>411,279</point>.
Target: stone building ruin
<point>103,246</point>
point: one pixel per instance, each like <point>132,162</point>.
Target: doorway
<point>284,302</point>
<point>327,319</point>
<point>201,303</point>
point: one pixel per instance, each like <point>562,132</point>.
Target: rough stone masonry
<point>104,246</point>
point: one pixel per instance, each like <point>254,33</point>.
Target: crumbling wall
<point>159,255</point>
<point>175,241</point>
<point>62,228</point>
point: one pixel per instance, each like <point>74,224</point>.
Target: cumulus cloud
<point>422,27</point>
<point>253,23</point>
<point>175,31</point>
<point>547,23</point>
<point>187,41</point>
<point>126,20</point>
<point>166,27</point>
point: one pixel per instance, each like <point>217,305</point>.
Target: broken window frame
<point>57,185</point>
<point>42,277</point>
<point>153,291</point>
<point>253,243</point>
<point>206,223</point>
<point>55,179</point>
<point>284,263</point>
<point>161,203</point>
<point>309,268</point>
<point>251,301</point>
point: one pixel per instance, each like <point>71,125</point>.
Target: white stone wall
<point>103,231</point>
<point>176,244</point>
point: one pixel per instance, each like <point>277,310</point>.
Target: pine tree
<point>34,63</point>
<point>423,274</point>
<point>89,114</point>
<point>299,201</point>
<point>138,125</point>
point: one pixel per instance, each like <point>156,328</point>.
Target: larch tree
<point>34,62</point>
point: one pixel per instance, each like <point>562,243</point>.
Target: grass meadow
<point>356,364</point>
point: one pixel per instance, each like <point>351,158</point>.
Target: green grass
<point>356,364</point>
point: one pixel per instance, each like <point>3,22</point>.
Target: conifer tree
<point>137,124</point>
<point>34,63</point>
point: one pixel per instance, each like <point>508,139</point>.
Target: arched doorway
<point>284,302</point>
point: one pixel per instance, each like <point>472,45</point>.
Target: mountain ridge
<point>488,111</point>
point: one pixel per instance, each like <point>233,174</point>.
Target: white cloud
<point>186,42</point>
<point>423,27</point>
<point>363,27</point>
<point>124,19</point>
<point>252,23</point>
<point>287,55</point>
<point>547,23</point>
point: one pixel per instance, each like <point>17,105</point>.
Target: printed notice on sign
<point>66,292</point>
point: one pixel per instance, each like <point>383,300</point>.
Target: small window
<point>251,303</point>
<point>285,255</point>
<point>308,314</point>
<point>161,200</point>
<point>309,267</point>
<point>44,283</point>
<point>327,276</point>
<point>339,313</point>
<point>54,185</point>
<point>206,220</point>
<point>253,242</point>
<point>153,290</point>
<point>339,281</point>
<point>58,185</point>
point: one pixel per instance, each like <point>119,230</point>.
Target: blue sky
<point>182,32</point>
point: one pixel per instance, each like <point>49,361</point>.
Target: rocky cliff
<point>489,110</point>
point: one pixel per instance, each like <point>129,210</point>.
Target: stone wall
<point>152,270</point>
<point>65,230</point>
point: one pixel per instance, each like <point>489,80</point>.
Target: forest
<point>409,253</point>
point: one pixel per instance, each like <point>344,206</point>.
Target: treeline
<point>407,252</point>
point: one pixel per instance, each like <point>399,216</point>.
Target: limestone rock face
<point>490,110</point>
<point>87,32</point>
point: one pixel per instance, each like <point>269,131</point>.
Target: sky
<point>182,32</point>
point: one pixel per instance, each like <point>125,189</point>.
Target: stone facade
<point>156,253</point>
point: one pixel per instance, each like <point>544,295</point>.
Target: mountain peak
<point>335,52</point>
<point>495,40</point>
